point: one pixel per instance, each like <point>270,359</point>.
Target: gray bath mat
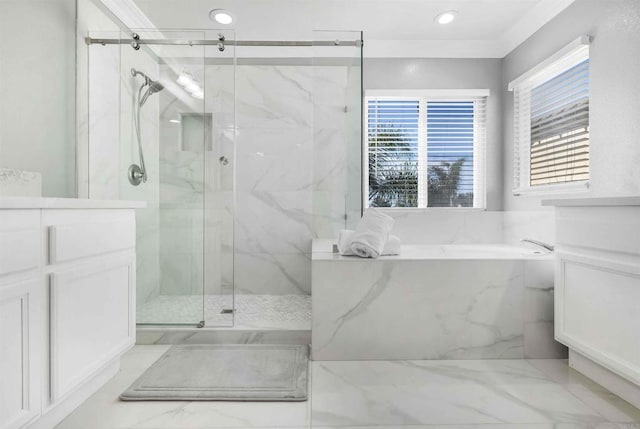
<point>220,372</point>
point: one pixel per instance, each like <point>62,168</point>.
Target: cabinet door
<point>597,306</point>
<point>92,319</point>
<point>19,357</point>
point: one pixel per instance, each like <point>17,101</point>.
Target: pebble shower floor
<point>251,311</point>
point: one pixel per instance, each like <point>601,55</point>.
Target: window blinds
<point>551,121</point>
<point>426,152</point>
<point>454,130</point>
<point>560,128</point>
<point>393,132</point>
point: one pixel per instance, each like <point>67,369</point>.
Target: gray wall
<point>37,91</point>
<point>437,73</point>
<point>614,98</point>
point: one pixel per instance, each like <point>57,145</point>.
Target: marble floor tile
<point>610,406</point>
<point>469,394</point>
<point>142,357</point>
<point>607,425</point>
<point>440,392</point>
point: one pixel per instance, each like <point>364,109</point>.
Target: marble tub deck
<point>482,394</point>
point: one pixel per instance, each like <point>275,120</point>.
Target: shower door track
<point>216,42</point>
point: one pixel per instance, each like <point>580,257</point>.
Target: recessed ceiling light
<point>445,17</point>
<point>174,121</point>
<point>221,16</point>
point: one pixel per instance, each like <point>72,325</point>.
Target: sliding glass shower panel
<point>337,131</point>
<point>162,130</point>
<point>171,240</point>
<point>219,163</point>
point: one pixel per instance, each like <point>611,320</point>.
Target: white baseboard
<point>620,386</point>
<point>61,410</point>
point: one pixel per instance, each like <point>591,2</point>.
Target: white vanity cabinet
<point>67,303</point>
<point>21,286</point>
<point>597,286</point>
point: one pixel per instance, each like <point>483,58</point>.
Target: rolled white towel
<point>344,242</point>
<point>392,247</point>
<point>371,234</point>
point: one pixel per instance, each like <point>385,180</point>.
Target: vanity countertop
<point>67,203</point>
<point>594,202</point>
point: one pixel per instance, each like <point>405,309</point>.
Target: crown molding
<point>530,23</point>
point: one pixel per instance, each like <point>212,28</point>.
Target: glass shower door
<point>174,133</point>
<point>219,163</point>
<point>162,129</point>
<point>337,131</point>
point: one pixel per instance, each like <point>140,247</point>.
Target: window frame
<point>423,96</point>
<point>569,56</point>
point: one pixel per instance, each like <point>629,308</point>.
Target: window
<point>551,123</point>
<point>425,149</point>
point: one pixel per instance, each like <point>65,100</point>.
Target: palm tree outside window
<point>425,151</point>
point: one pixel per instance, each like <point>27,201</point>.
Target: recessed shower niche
<point>196,132</point>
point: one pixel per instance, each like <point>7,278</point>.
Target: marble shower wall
<point>298,127</point>
<point>182,187</point>
<point>274,177</point>
<point>258,230</point>
<point>257,238</point>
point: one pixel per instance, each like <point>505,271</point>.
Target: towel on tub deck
<point>371,234</point>
<point>344,244</point>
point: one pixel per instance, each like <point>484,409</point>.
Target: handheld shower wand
<point>138,173</point>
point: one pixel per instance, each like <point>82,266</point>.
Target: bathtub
<point>433,302</point>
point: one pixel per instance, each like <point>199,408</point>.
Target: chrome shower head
<point>153,85</point>
<point>152,89</point>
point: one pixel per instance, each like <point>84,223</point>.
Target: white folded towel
<point>344,242</point>
<point>371,234</point>
<point>392,247</point>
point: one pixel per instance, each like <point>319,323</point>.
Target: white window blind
<point>425,152</point>
<point>393,133</point>
<point>560,128</point>
<point>551,123</point>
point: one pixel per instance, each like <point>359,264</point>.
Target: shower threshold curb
<point>147,335</point>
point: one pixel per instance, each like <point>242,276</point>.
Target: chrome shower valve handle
<point>136,175</point>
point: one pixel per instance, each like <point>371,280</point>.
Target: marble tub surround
<point>538,224</point>
<point>468,305</point>
<point>499,394</point>
<point>443,226</point>
<point>471,226</point>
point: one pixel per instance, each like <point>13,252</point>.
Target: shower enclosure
<point>244,151</point>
